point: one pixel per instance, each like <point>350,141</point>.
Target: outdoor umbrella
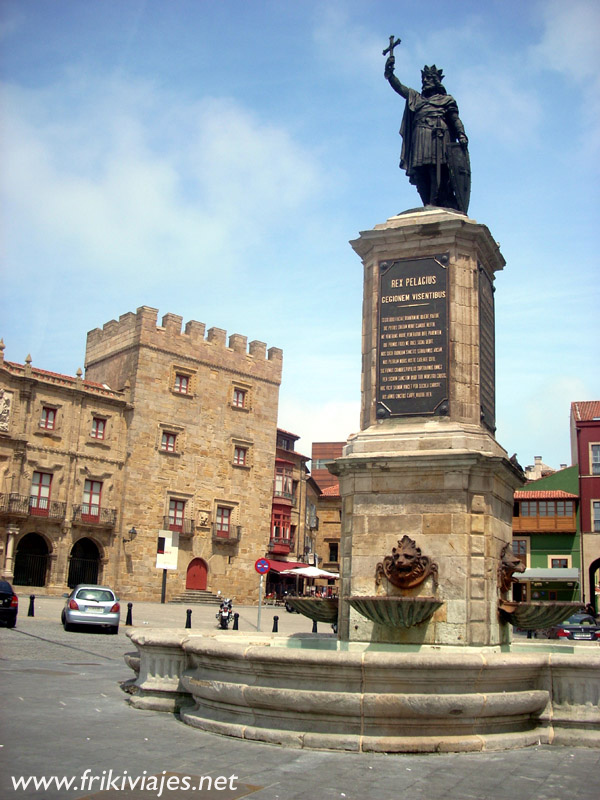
<point>310,572</point>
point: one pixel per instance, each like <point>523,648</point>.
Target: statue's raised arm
<point>434,143</point>
<point>389,68</point>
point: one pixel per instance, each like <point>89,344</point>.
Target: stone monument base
<point>449,487</point>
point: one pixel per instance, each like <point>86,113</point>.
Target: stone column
<point>12,531</point>
<point>426,463</point>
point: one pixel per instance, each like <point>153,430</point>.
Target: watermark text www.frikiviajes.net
<point>157,784</point>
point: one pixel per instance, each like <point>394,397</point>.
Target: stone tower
<point>200,449</point>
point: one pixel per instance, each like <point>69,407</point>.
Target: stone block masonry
<point>198,401</point>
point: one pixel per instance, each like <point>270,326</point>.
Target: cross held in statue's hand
<point>390,48</point>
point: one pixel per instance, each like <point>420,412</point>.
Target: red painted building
<point>585,451</point>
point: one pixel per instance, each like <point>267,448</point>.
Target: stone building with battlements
<point>170,436</point>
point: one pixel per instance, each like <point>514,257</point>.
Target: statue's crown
<point>432,72</point>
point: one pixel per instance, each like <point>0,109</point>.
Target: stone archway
<point>31,561</point>
<point>84,563</point>
<point>197,575</point>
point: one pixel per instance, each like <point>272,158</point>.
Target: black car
<point>578,626</point>
<point>9,605</point>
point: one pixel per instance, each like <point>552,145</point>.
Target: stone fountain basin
<point>320,609</point>
<point>257,687</point>
<point>533,616</point>
<point>395,612</point>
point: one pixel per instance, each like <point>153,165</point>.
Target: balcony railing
<point>549,524</point>
<point>224,535</point>
<point>282,495</point>
<point>90,514</point>
<point>19,505</point>
<point>184,527</point>
<point>279,544</point>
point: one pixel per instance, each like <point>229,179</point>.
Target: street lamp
<point>132,535</point>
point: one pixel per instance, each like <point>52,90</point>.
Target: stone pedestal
<point>426,463</point>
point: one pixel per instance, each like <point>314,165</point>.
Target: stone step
<point>197,596</point>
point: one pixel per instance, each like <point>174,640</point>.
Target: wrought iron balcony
<point>18,505</point>
<point>233,533</point>
<point>90,514</point>
<point>184,527</point>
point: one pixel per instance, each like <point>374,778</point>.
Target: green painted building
<point>546,537</point>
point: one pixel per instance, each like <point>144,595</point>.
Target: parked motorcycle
<point>225,614</point>
<point>289,607</point>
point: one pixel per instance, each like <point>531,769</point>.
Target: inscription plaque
<point>412,351</point>
<point>487,357</point>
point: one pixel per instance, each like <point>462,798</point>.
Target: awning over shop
<point>564,574</point>
<point>280,566</point>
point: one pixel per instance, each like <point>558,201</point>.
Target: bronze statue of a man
<point>434,144</point>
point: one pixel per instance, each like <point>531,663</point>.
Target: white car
<point>91,605</point>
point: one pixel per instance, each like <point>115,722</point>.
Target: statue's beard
<point>431,90</point>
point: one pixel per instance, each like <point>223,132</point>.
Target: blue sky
<point>213,159</point>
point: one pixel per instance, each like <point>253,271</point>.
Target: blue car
<point>578,626</point>
<point>9,605</point>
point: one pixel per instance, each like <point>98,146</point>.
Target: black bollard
<point>31,612</point>
<point>314,630</point>
<point>236,620</point>
<point>275,624</point>
<point>129,620</point>
<point>188,618</point>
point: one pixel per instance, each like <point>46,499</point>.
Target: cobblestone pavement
<point>63,713</point>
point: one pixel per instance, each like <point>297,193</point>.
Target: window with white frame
<point>595,459</point>
<point>596,516</point>
<point>559,561</point>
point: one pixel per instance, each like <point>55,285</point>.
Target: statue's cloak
<point>421,117</point>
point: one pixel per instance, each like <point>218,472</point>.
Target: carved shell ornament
<point>509,564</point>
<point>406,567</point>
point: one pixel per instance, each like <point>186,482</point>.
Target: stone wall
<point>138,473</point>
<point>207,425</point>
<point>69,453</point>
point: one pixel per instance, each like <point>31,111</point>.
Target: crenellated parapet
<point>118,339</point>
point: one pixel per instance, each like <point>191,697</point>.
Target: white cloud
<point>123,175</point>
<point>569,42</point>
<point>353,47</point>
<point>508,112</point>
<point>569,46</point>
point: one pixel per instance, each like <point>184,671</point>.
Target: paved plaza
<point>65,715</point>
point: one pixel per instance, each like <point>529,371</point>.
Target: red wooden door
<point>196,574</point>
